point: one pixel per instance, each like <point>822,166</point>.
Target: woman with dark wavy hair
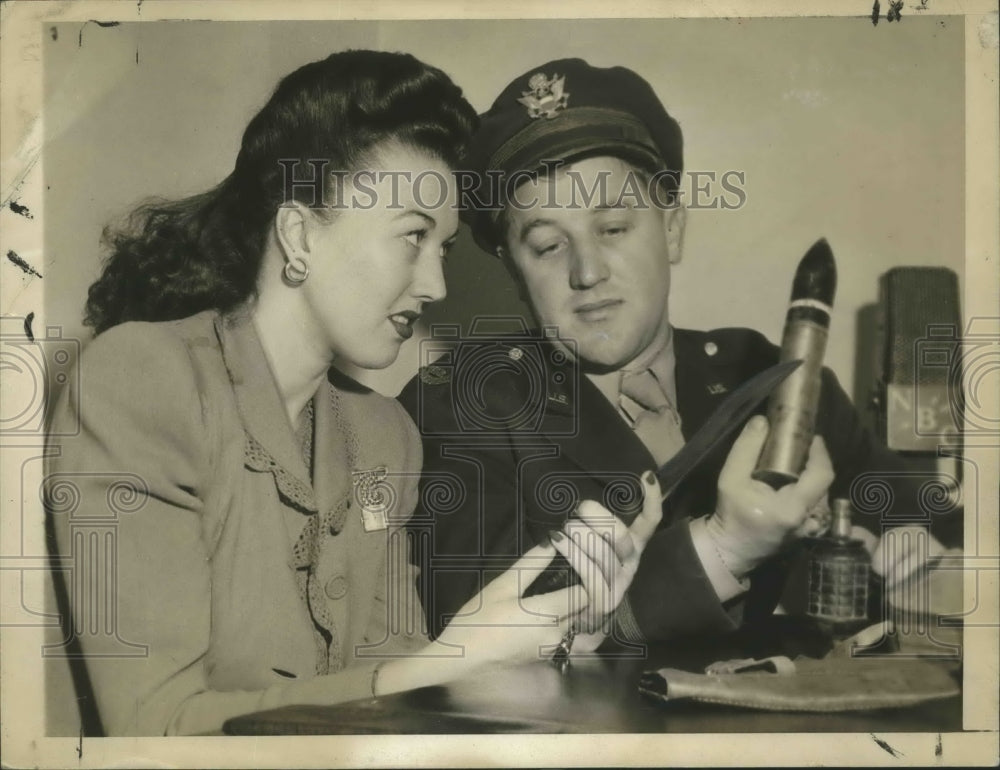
<point>261,561</point>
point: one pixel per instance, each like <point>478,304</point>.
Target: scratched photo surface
<point>850,129</point>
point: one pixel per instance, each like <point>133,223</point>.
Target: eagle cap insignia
<point>545,96</point>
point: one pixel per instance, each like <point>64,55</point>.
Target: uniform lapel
<point>710,365</point>
<point>589,431</point>
<point>701,387</point>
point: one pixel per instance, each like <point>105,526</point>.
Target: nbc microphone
<point>791,409</point>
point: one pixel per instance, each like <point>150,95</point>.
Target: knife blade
<point>729,415</point>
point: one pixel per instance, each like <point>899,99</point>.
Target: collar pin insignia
<point>716,388</point>
<point>545,96</point>
<point>434,374</point>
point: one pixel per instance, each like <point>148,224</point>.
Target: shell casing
<point>791,411</point>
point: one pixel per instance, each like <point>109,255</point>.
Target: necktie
<point>653,418</point>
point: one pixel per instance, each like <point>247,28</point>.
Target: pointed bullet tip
<point>816,275</point>
<point>821,247</point>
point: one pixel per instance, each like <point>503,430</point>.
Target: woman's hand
<point>500,623</point>
<point>605,553</point>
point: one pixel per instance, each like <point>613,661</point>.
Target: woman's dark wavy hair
<point>172,259</point>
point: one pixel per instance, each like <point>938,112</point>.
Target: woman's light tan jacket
<point>185,466</point>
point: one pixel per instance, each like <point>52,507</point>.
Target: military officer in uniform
<point>520,430</point>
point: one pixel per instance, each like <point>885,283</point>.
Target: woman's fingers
<point>554,607</point>
<point>628,542</point>
<point>595,561</point>
<point>514,629</point>
<point>606,525</point>
<point>597,554</point>
<point>523,573</point>
<point>646,522</point>
<point>601,549</point>
<point>605,553</point>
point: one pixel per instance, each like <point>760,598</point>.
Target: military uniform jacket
<point>185,457</point>
<point>514,436</point>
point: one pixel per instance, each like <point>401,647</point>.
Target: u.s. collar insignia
<point>433,374</point>
<point>717,388</point>
<point>373,496</point>
<point>545,96</point>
